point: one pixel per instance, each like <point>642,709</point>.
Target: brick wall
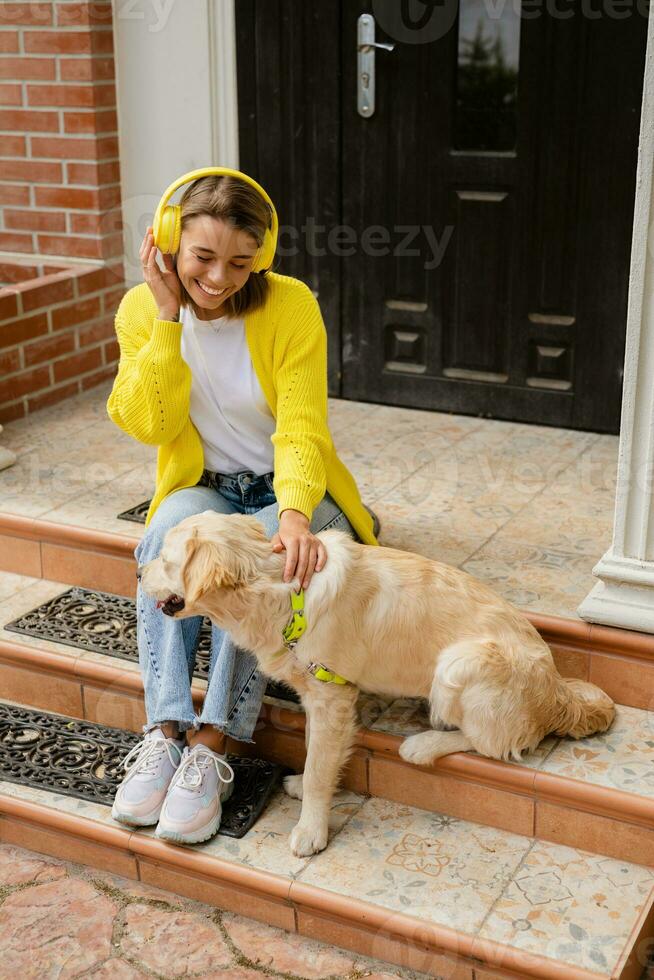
<point>57,334</point>
<point>60,234</point>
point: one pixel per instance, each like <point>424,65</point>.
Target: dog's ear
<point>207,566</point>
<point>195,570</point>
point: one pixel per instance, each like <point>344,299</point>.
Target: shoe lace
<point>189,774</point>
<point>144,756</point>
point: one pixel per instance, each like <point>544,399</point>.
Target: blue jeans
<point>167,647</point>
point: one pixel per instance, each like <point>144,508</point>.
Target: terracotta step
<point>595,793</point>
<point>65,553</point>
<point>417,888</point>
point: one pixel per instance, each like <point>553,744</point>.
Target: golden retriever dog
<point>391,623</point>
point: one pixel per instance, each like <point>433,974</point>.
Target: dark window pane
<point>487,76</point>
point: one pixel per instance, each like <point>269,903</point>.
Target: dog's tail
<point>581,709</point>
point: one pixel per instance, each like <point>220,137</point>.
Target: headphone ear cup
<point>266,253</point>
<point>167,232</point>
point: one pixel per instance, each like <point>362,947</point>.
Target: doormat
<point>137,514</point>
<point>83,759</point>
<point>105,623</point>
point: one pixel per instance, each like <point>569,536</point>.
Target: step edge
<point>470,768</point>
<point>460,765</point>
<point>575,631</point>
<point>530,964</point>
<point>351,911</point>
<point>69,535</point>
<point>48,661</point>
<point>49,817</point>
<point>643,927</point>
<point>77,667</point>
<point>593,798</point>
<point>574,793</point>
<point>419,931</point>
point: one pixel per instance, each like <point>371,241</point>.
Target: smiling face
<point>214,261</point>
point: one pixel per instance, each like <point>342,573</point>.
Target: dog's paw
<point>306,840</point>
<point>418,749</point>
<point>293,786</point>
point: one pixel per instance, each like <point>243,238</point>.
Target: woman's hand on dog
<point>165,286</point>
<point>305,553</point>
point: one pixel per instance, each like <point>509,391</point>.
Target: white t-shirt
<point>228,407</point>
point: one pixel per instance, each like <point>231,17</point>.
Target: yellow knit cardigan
<point>287,341</point>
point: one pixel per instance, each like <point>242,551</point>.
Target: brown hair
<point>232,200</point>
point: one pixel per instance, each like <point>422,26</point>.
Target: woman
<point>223,366</point>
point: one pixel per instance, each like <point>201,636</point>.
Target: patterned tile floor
<point>557,901</point>
<point>527,508</point>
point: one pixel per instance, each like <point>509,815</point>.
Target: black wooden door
<point>469,241</point>
<point>289,96</point>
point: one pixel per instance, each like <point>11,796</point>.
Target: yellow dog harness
<point>294,630</point>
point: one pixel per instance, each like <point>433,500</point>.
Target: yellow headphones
<point>167,224</point>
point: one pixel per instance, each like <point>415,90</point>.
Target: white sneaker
<point>193,806</point>
<point>150,766</point>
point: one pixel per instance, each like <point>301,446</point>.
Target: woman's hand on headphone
<point>164,285</point>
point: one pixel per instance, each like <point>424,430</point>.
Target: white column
<point>224,111</point>
<point>624,596</point>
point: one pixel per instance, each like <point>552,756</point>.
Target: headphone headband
<point>168,218</point>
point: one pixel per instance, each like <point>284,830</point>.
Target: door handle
<point>366,46</point>
<point>376,44</point>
